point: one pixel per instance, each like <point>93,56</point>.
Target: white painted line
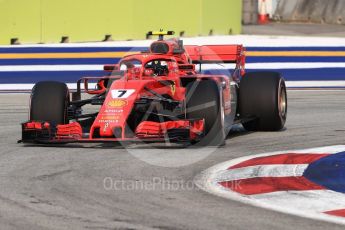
<point>14,87</point>
<point>29,68</point>
<point>319,200</point>
<point>208,181</point>
<point>261,171</point>
<point>278,65</point>
<point>315,84</point>
<point>295,65</point>
<point>263,66</point>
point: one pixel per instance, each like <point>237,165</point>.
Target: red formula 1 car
<point>159,96</point>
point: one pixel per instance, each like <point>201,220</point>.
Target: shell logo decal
<point>107,117</point>
<point>117,103</point>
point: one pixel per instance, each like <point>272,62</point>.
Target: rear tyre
<point>49,102</point>
<point>204,102</point>
<point>263,97</point>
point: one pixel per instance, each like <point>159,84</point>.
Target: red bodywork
<point>139,82</point>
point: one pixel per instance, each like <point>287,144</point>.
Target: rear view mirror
<point>94,85</point>
<point>111,68</point>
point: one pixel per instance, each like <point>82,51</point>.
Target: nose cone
<point>116,108</point>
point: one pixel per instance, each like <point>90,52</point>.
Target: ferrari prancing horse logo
<point>173,88</point>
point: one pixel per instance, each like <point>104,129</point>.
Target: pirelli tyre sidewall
<point>49,102</point>
<point>263,97</point>
<point>203,101</point>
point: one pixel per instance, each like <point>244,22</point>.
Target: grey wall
<point>317,11</point>
<point>250,12</point>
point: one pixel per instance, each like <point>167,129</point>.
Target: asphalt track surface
<point>63,187</point>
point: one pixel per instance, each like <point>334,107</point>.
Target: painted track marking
<point>315,203</point>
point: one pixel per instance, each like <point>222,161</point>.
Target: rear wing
<point>216,54</point>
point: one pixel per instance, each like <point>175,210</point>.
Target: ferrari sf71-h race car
<point>160,96</point>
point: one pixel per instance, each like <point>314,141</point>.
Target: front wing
<point>147,131</point>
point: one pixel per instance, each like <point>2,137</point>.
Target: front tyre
<point>204,102</point>
<point>49,102</point>
<point>263,97</point>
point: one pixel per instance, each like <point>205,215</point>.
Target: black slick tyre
<point>49,102</point>
<point>263,101</point>
<point>203,101</point>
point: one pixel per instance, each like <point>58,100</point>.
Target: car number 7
<point>122,93</point>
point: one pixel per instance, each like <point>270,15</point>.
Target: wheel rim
<point>282,102</point>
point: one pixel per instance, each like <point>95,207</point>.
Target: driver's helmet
<point>160,68</point>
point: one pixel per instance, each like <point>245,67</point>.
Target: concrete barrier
<point>47,21</point>
<point>250,12</point>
